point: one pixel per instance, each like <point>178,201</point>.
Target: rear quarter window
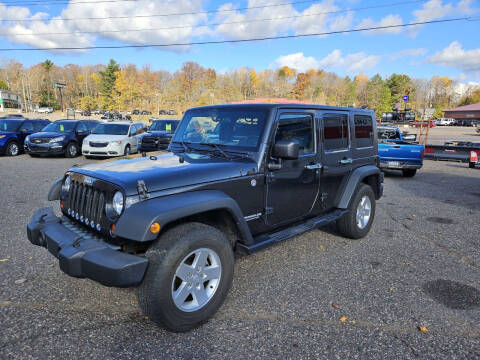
<point>335,132</point>
<point>363,130</point>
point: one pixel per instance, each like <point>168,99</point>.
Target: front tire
<point>127,150</point>
<point>72,150</point>
<point>13,149</point>
<point>357,222</point>
<point>409,172</point>
<point>189,274</point>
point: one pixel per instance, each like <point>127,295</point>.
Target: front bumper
<point>55,148</point>
<point>399,165</point>
<point>83,254</point>
<point>109,150</point>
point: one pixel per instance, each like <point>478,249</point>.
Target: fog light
<point>155,228</point>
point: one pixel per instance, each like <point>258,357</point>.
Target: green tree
<point>398,83</point>
<point>471,98</point>
<point>108,78</point>
<point>3,85</point>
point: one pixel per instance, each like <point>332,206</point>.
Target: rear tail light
<point>428,150</point>
<point>423,153</point>
<point>473,156</point>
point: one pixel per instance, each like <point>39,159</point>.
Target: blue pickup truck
<point>396,153</point>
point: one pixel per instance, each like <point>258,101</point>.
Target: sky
<point>447,49</point>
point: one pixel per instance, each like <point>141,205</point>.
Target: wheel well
<point>373,182</point>
<point>220,219</point>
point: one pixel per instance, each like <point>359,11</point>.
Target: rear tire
<point>409,172</point>
<point>72,150</point>
<point>13,149</point>
<point>361,212</point>
<point>172,271</point>
<point>471,165</point>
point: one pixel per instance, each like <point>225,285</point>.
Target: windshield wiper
<point>217,148</point>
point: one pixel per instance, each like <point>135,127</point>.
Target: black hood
<point>167,172</point>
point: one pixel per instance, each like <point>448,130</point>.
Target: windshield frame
<point>18,121</point>
<point>179,137</point>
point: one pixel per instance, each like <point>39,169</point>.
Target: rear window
<point>335,132</point>
<point>363,130</point>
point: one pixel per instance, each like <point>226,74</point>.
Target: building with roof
<point>465,114</point>
<point>10,101</point>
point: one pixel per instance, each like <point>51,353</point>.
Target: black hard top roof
<point>283,106</point>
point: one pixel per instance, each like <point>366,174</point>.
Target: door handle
<point>313,166</point>
<point>346,161</point>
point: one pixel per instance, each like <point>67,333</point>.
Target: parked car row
<point>92,138</point>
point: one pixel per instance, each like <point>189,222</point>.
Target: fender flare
<point>135,222</point>
<point>54,192</point>
<point>355,178</point>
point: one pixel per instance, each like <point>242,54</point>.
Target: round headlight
<point>118,202</point>
<point>66,184</point>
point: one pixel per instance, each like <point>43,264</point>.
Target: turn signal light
<point>112,228</point>
<point>155,228</point>
<point>61,204</point>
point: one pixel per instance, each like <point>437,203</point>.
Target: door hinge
<point>268,210</point>
<point>142,190</point>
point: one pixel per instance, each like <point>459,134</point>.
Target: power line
<point>194,12</point>
<point>237,40</point>
<point>61,2</point>
<point>210,24</point>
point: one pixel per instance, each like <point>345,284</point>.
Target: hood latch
<point>142,190</point>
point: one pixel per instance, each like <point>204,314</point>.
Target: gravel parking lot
<point>315,296</point>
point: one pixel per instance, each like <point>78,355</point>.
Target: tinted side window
<point>82,127</point>
<point>335,131</point>
<point>140,129</point>
<point>363,130</point>
<point>38,125</point>
<point>27,126</point>
<point>133,130</point>
<point>297,127</point>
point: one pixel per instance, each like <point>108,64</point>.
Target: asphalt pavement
<point>410,289</point>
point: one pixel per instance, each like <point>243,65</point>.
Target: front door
<point>336,155</point>
<point>293,189</point>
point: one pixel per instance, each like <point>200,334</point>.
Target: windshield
<point>164,125</point>
<point>111,129</point>
<point>236,128</point>
<point>60,126</point>
<point>9,125</point>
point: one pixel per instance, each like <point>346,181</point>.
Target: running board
<point>263,241</point>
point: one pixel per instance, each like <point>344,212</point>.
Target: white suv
<point>113,139</point>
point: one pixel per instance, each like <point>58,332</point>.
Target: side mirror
<point>286,149</point>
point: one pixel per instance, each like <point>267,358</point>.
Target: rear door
<point>336,154</point>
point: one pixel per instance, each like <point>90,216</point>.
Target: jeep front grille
<point>87,204</point>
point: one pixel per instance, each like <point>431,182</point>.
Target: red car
<point>418,123</point>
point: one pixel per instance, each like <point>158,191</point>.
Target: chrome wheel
<point>13,149</point>
<point>72,150</point>
<point>196,279</point>
<point>364,210</point>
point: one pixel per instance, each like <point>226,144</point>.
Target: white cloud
<point>389,20</point>
<point>297,61</point>
<point>114,29</point>
<point>351,63</point>
<point>409,53</point>
<point>316,18</point>
<point>431,10</point>
<point>456,57</point>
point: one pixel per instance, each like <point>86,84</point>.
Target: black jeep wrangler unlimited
<point>238,178</point>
